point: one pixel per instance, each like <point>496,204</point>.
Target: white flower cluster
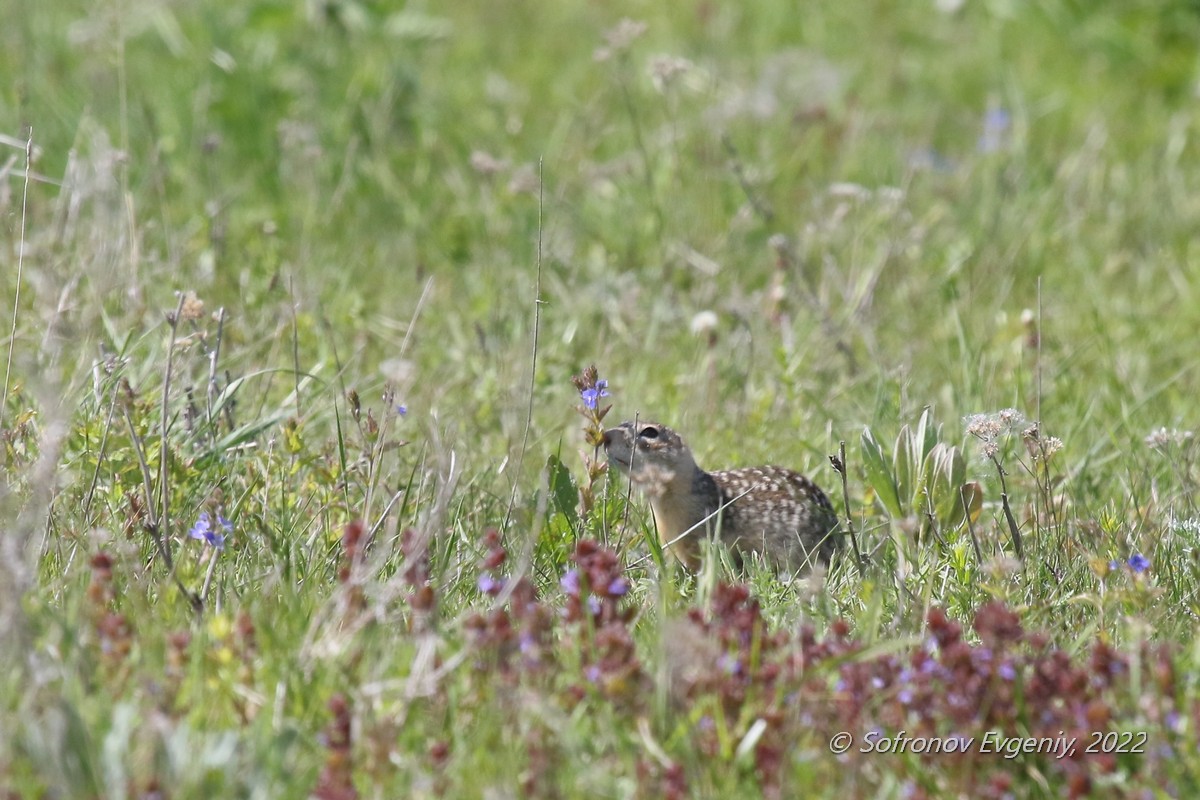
<point>1162,438</point>
<point>988,428</point>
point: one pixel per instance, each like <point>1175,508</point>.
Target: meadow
<point>303,310</point>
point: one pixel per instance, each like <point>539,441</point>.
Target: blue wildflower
<point>1139,563</point>
<point>1007,671</point>
<point>591,397</point>
<point>214,536</point>
<point>1114,565</point>
<point>618,587</point>
<point>402,409</point>
<point>593,604</point>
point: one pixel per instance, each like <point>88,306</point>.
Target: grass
<point>249,234</point>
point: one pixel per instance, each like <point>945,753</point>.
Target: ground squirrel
<point>772,511</point>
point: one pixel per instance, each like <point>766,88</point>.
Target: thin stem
<point>12,335</point>
<point>91,492</point>
<point>164,494</point>
<point>759,205</point>
<point>640,144</point>
<point>213,358</point>
<point>537,324</point>
<point>970,528</point>
<point>1008,514</point>
<point>151,523</point>
<point>839,466</point>
<point>295,347</point>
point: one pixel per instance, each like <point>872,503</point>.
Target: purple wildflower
<point>618,587</point>
<point>1139,563</point>
<point>570,582</point>
<point>488,584</point>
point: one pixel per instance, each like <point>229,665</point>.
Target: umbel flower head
<point>205,530</point>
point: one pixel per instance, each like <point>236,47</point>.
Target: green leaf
<point>925,438</point>
<point>903,467</point>
<point>879,477</point>
<point>942,476</point>
<point>563,491</point>
<point>246,434</point>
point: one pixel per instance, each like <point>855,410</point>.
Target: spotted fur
<point>772,511</point>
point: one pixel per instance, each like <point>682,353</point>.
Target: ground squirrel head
<point>652,455</point>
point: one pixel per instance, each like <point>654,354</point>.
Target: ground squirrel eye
<point>649,433</point>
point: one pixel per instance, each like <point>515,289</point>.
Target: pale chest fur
<point>687,504</point>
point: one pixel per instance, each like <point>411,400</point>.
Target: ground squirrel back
<point>773,511</point>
